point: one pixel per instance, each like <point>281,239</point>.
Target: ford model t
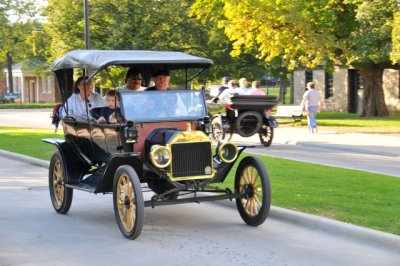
<point>246,115</point>
<point>161,141</point>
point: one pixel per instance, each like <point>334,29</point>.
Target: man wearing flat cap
<point>161,80</point>
<point>133,80</point>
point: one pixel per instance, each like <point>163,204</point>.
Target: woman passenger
<point>76,104</point>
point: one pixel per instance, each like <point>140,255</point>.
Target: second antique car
<point>161,142</point>
<point>246,115</point>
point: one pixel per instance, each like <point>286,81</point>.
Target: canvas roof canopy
<point>96,60</point>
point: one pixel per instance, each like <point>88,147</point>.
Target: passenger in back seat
<point>81,99</point>
<point>108,113</point>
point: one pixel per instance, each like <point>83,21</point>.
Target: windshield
<point>170,105</point>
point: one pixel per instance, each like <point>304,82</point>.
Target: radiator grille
<point>190,159</point>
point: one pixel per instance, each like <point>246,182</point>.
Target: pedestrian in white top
<point>312,103</point>
<point>83,100</point>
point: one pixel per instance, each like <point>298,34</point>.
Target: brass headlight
<point>228,152</point>
<point>160,156</point>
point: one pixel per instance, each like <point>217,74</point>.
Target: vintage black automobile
<point>246,115</point>
<point>156,144</point>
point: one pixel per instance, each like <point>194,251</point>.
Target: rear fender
<point>75,167</point>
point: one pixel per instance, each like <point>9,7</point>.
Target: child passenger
<point>107,113</point>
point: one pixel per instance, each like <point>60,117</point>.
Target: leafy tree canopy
<point>147,25</point>
<point>308,33</point>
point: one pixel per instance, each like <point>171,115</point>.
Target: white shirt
<point>77,107</point>
<point>224,96</point>
<point>124,88</point>
<point>312,97</point>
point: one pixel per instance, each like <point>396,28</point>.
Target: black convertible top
<point>98,59</point>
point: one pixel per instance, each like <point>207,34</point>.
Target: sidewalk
<point>376,144</point>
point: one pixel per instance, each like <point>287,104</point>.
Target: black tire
<point>252,183</point>
<point>60,195</point>
<point>266,135</point>
<point>128,202</point>
<point>218,130</point>
<point>248,123</point>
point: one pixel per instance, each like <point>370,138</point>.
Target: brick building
<point>32,87</point>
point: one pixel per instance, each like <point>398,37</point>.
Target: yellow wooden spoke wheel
<point>61,196</point>
<point>128,202</point>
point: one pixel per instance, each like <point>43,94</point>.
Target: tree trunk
<point>10,76</point>
<point>373,96</point>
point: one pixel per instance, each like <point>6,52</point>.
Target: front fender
<point>116,160</point>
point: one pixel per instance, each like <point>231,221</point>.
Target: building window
<point>358,80</point>
<point>328,85</point>
<point>309,76</point>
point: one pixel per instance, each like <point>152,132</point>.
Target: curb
<point>24,158</point>
<point>313,222</point>
<point>340,229</point>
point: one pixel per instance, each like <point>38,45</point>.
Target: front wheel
<point>61,196</point>
<point>128,202</point>
<point>266,135</point>
<point>252,183</point>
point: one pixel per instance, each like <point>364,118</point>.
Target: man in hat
<point>133,80</point>
<point>161,80</point>
<point>224,86</point>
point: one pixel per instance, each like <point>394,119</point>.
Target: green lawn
<point>358,197</point>
<point>28,141</point>
<point>347,122</point>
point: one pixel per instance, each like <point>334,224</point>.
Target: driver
<point>161,80</point>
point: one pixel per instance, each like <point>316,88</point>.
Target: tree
<point>395,55</point>
<point>15,17</point>
<point>306,33</point>
<point>145,25</point>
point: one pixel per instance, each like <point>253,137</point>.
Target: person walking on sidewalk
<point>312,103</point>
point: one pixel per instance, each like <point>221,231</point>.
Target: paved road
<point>192,234</point>
<point>32,118</point>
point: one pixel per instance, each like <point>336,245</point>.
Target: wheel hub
<point>248,191</point>
<point>127,202</point>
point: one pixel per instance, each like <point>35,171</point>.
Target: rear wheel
<point>266,135</point>
<point>252,183</point>
<point>61,196</point>
<point>128,202</point>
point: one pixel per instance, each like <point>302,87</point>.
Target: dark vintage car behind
<point>161,141</point>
